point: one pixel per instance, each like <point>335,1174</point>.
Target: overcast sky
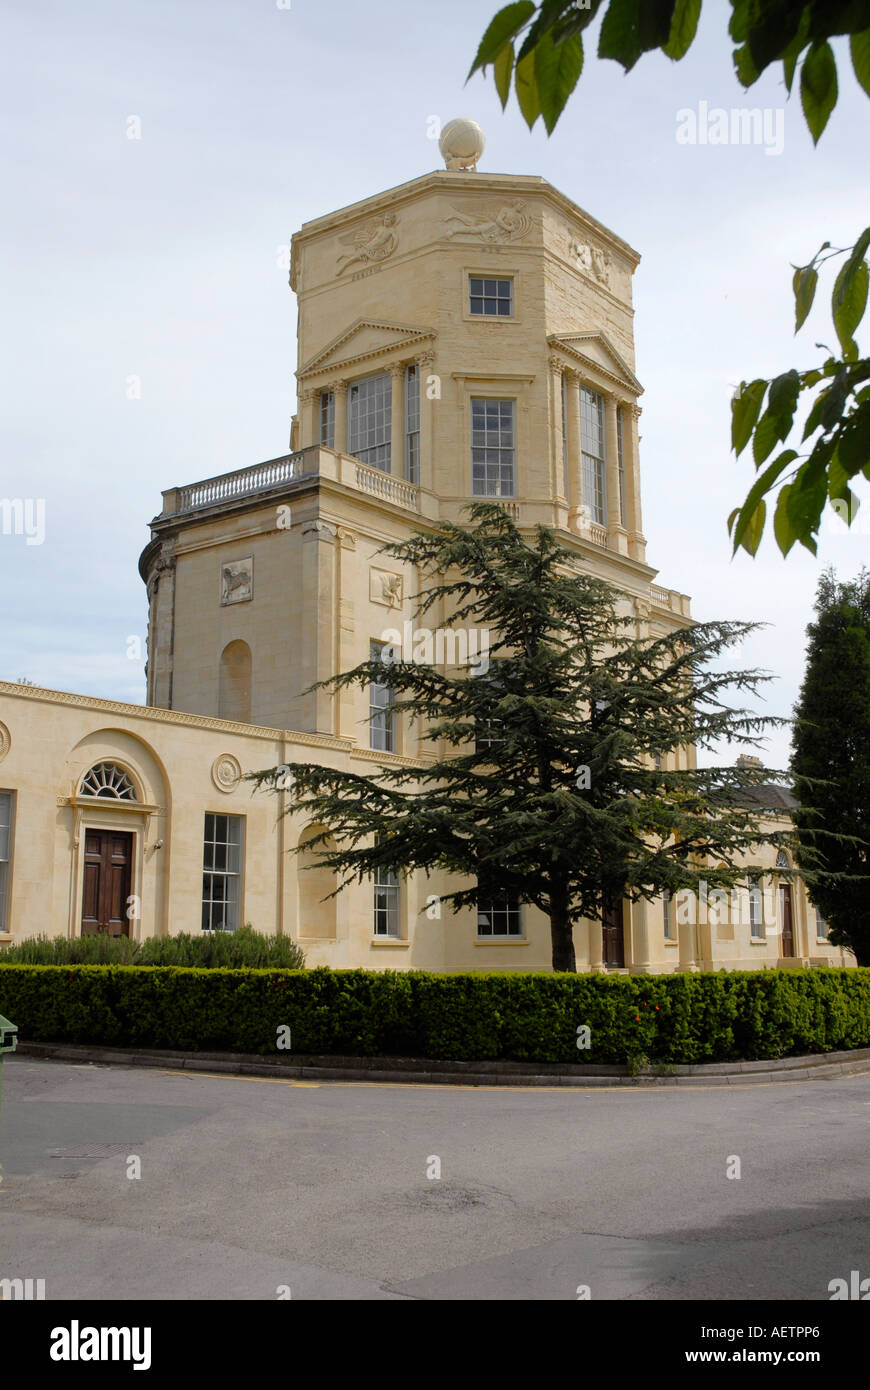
<point>159,258</point>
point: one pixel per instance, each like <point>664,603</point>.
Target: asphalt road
<point>249,1186</point>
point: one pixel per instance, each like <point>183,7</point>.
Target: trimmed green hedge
<point>234,950</point>
<point>486,1016</point>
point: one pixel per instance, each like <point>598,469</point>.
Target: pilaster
<point>339,391</point>
<point>397,422</point>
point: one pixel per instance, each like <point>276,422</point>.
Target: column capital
<point>397,370</point>
<point>556,363</point>
<point>427,358</point>
<point>324,530</point>
<point>338,388</point>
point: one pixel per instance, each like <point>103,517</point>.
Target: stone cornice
<point>154,714</point>
<point>371,755</point>
<point>456,182</point>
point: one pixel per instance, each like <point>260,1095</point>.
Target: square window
<point>490,298</point>
<point>499,916</point>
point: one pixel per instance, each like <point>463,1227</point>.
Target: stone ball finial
<point>462,143</point>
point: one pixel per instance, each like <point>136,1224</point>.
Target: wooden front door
<point>785,919</point>
<point>613,939</point>
<point>108,870</point>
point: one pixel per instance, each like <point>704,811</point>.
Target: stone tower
<point>461,336</point>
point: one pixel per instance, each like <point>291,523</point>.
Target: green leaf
<point>766,437</point>
<point>756,493</point>
<point>773,28</point>
<point>502,70</point>
<point>504,26</point>
<point>783,528</point>
<point>753,531</point>
<point>838,479</point>
<point>784,391</point>
<point>632,27</point>
<point>527,89</point>
<point>808,494</point>
<point>553,20</point>
<point>853,443</point>
<point>684,26</point>
<point>804,284</point>
<point>818,87</point>
<point>573,21</point>
<point>814,418</point>
<point>738,26</point>
<point>860,47</point>
<point>834,401</point>
<point>795,48</point>
<point>848,303</point>
<point>744,67</point>
<point>744,412</point>
<point>777,420</point>
<point>557,70</point>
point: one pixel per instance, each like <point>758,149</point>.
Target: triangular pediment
<point>593,346</point>
<point>365,338</point>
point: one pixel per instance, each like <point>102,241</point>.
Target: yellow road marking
<point>470,1086</point>
<point>235,1076</point>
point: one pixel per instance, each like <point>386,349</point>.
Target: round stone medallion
<point>226,772</point>
<point>5,741</point>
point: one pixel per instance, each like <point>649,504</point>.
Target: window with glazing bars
<point>756,924</point>
<point>5,856</point>
<point>386,903</point>
<point>221,872</point>
<point>382,717</point>
<point>412,423</point>
<point>494,297</point>
<point>499,916</point>
<point>493,448</point>
<point>621,458</point>
<point>668,914</point>
<point>327,419</point>
<point>592,443</point>
<point>369,406</point>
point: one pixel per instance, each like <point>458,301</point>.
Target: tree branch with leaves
<point>538,48</point>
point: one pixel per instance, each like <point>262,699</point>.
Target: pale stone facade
<point>458,301</point>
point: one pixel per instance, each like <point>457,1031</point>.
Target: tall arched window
<point>234,694</point>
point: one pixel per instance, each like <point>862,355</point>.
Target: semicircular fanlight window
<point>107,780</point>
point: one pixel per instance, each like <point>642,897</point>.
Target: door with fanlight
<point>786,921</point>
<point>107,878</point>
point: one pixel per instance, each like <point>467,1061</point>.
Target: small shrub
<point>244,949</point>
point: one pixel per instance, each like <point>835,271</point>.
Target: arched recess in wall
<point>234,691</point>
<point>316,917</point>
